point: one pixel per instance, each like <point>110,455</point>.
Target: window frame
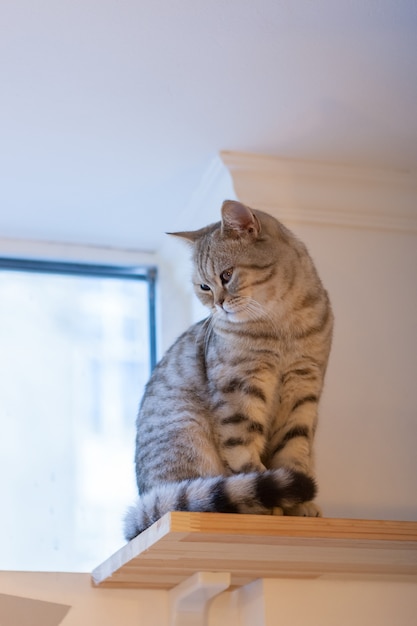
<point>148,274</point>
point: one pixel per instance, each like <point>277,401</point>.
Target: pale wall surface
<point>318,602</point>
<point>366,457</point>
<point>92,607</point>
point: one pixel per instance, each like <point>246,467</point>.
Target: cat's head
<point>237,261</point>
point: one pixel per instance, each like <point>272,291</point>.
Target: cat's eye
<point>204,287</point>
<point>226,275</point>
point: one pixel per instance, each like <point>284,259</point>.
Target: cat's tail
<point>243,493</point>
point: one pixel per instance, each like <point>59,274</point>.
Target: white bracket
<point>189,601</point>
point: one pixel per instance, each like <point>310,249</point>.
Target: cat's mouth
<point>243,310</point>
<point>232,314</point>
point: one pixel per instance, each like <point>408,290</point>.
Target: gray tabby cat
<point>228,417</point>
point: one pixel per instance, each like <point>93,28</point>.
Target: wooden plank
<point>251,547</point>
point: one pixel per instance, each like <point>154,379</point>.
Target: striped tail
<point>255,493</point>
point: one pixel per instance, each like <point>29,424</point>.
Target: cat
<point>228,417</point>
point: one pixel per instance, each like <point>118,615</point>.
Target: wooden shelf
<point>251,547</point>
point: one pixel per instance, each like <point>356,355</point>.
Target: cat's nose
<point>219,302</point>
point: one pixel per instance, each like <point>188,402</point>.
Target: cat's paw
<point>277,510</point>
<point>305,509</point>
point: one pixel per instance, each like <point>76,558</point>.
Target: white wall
<point>334,602</point>
<point>88,606</point>
<point>301,602</point>
<point>366,458</point>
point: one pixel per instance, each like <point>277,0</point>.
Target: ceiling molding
<point>326,194</point>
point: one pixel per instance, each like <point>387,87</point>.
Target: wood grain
<point>251,547</point>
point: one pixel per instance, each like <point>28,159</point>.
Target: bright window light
<point>76,347</point>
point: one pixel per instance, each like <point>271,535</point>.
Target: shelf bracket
<point>189,601</point>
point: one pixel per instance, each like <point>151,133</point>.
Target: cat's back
<point>174,419</point>
<point>181,368</point>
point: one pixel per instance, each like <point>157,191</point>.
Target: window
<point>77,343</point>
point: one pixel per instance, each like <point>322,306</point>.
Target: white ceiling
<point>111,111</point>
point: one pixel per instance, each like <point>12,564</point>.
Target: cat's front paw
<point>277,510</point>
<point>305,509</point>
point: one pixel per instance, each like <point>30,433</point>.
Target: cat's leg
<point>292,441</point>
<point>176,449</point>
<point>240,429</point>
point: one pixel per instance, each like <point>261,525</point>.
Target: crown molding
<point>323,193</point>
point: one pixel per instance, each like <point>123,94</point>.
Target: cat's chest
<point>245,377</point>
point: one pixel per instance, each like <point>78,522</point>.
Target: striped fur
<point>228,418</point>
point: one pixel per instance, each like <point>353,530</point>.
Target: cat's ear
<point>190,236</point>
<point>238,219</point>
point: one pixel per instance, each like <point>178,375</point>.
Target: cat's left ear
<point>190,236</point>
<point>238,219</point>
